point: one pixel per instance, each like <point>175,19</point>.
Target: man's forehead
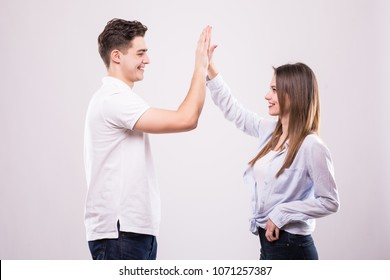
<point>138,43</point>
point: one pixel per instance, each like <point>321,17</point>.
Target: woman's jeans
<point>288,247</point>
<point>128,246</point>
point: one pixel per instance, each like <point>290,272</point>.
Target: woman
<point>291,177</point>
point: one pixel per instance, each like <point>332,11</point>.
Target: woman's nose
<point>268,95</point>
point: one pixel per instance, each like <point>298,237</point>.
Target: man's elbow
<point>189,121</point>
<point>190,124</point>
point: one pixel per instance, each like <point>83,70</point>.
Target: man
<point>122,211</point>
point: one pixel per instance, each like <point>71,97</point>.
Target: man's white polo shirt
<point>118,163</point>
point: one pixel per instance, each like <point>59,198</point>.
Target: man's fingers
<point>208,36</point>
<point>204,39</point>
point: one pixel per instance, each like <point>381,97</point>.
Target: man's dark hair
<point>118,34</point>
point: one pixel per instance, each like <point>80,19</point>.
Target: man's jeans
<point>287,247</point>
<point>128,246</point>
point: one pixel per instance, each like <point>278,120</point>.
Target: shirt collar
<point>286,145</point>
<point>109,80</point>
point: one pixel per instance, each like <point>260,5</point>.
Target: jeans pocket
<point>306,241</point>
<point>307,249</point>
<point>98,249</point>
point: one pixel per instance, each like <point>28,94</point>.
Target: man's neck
<point>118,75</point>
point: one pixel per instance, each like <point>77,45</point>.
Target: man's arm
<point>186,116</point>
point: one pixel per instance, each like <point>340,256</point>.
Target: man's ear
<point>115,56</point>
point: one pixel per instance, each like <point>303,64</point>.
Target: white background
<point>50,68</point>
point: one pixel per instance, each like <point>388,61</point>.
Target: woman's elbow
<point>333,205</point>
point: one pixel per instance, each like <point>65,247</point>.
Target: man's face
<point>134,61</point>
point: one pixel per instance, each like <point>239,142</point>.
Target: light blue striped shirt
<point>304,191</point>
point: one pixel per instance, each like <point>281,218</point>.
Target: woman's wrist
<point>212,71</point>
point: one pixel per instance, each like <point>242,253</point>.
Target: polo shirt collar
<point>109,80</point>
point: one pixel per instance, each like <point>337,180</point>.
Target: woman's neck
<point>284,136</point>
<point>284,122</point>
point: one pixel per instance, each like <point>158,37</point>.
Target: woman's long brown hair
<point>297,86</point>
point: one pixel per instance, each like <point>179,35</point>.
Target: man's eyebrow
<point>142,50</point>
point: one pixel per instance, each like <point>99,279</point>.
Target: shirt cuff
<point>279,219</point>
<point>215,83</point>
<point>138,116</point>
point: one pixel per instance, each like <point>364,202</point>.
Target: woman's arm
<point>325,200</point>
<point>245,120</point>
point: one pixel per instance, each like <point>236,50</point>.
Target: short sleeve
<point>123,109</point>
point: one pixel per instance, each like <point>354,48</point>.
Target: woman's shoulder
<point>313,141</point>
<point>313,138</point>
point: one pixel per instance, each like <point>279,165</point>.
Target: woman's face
<point>273,102</point>
<point>272,98</point>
